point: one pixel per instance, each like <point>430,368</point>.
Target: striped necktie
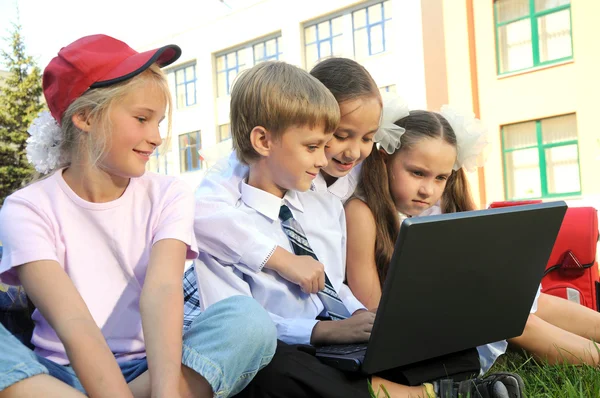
<point>331,301</point>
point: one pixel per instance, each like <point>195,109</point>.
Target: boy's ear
<point>82,121</point>
<point>261,140</point>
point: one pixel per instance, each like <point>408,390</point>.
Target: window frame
<point>535,45</point>
<point>348,29</point>
<point>188,148</point>
<point>390,88</point>
<point>318,41</point>
<point>185,85</point>
<point>237,68</point>
<point>228,69</point>
<point>161,155</point>
<point>219,136</point>
<point>370,26</point>
<point>541,148</point>
<point>266,57</point>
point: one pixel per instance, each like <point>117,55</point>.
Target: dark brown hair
<point>346,79</point>
<point>374,186</point>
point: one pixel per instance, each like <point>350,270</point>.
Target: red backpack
<point>572,270</point>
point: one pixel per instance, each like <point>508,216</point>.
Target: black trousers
<point>297,374</point>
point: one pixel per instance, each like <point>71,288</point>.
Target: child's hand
<point>356,329</point>
<point>306,272</point>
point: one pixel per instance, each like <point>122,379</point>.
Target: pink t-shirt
<point>103,247</point>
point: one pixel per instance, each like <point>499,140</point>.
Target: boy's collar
<point>268,204</point>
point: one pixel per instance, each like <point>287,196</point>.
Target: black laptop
<point>460,280</point>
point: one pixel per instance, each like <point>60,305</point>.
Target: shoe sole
<point>511,391</point>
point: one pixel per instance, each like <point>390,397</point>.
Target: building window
<point>388,89</point>
<point>532,33</point>
<point>185,86</point>
<point>370,29</point>
<point>362,31</point>
<point>231,63</point>
<point>223,132</point>
<point>541,158</point>
<point>267,50</point>
<point>189,145</point>
<point>323,39</point>
<point>228,67</point>
<point>161,160</point>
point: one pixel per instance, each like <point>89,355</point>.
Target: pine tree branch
<point>20,103</point>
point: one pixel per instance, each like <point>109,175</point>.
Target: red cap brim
<point>138,63</point>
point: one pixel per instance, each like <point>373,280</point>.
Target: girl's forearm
<point>162,320</point>
<point>92,360</point>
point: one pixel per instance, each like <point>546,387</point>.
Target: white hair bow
<point>471,137</point>
<point>43,145</point>
<point>388,135</point>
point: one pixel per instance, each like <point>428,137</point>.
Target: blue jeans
<point>227,344</point>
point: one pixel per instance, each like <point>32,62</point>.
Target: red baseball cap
<point>96,61</point>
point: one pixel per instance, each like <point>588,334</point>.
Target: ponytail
<point>374,188</point>
<point>457,194</point>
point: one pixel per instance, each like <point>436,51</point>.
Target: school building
<point>525,67</point>
<point>529,69</point>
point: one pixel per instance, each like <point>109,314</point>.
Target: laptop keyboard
<point>341,349</point>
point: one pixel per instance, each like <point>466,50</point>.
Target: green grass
<point>544,380</point>
<point>551,381</point>
<point>381,393</point>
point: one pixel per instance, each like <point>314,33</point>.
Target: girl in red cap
<point>99,246</point>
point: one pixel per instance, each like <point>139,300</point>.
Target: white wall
<point>401,64</point>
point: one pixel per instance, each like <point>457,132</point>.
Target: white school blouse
<point>228,234</point>
<point>322,217</point>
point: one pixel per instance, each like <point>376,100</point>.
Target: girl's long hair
<point>374,188</point>
<point>457,194</point>
<point>374,185</point>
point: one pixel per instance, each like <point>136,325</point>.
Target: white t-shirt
<point>103,247</point>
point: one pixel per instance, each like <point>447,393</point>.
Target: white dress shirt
<point>225,232</point>
<point>322,217</point>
